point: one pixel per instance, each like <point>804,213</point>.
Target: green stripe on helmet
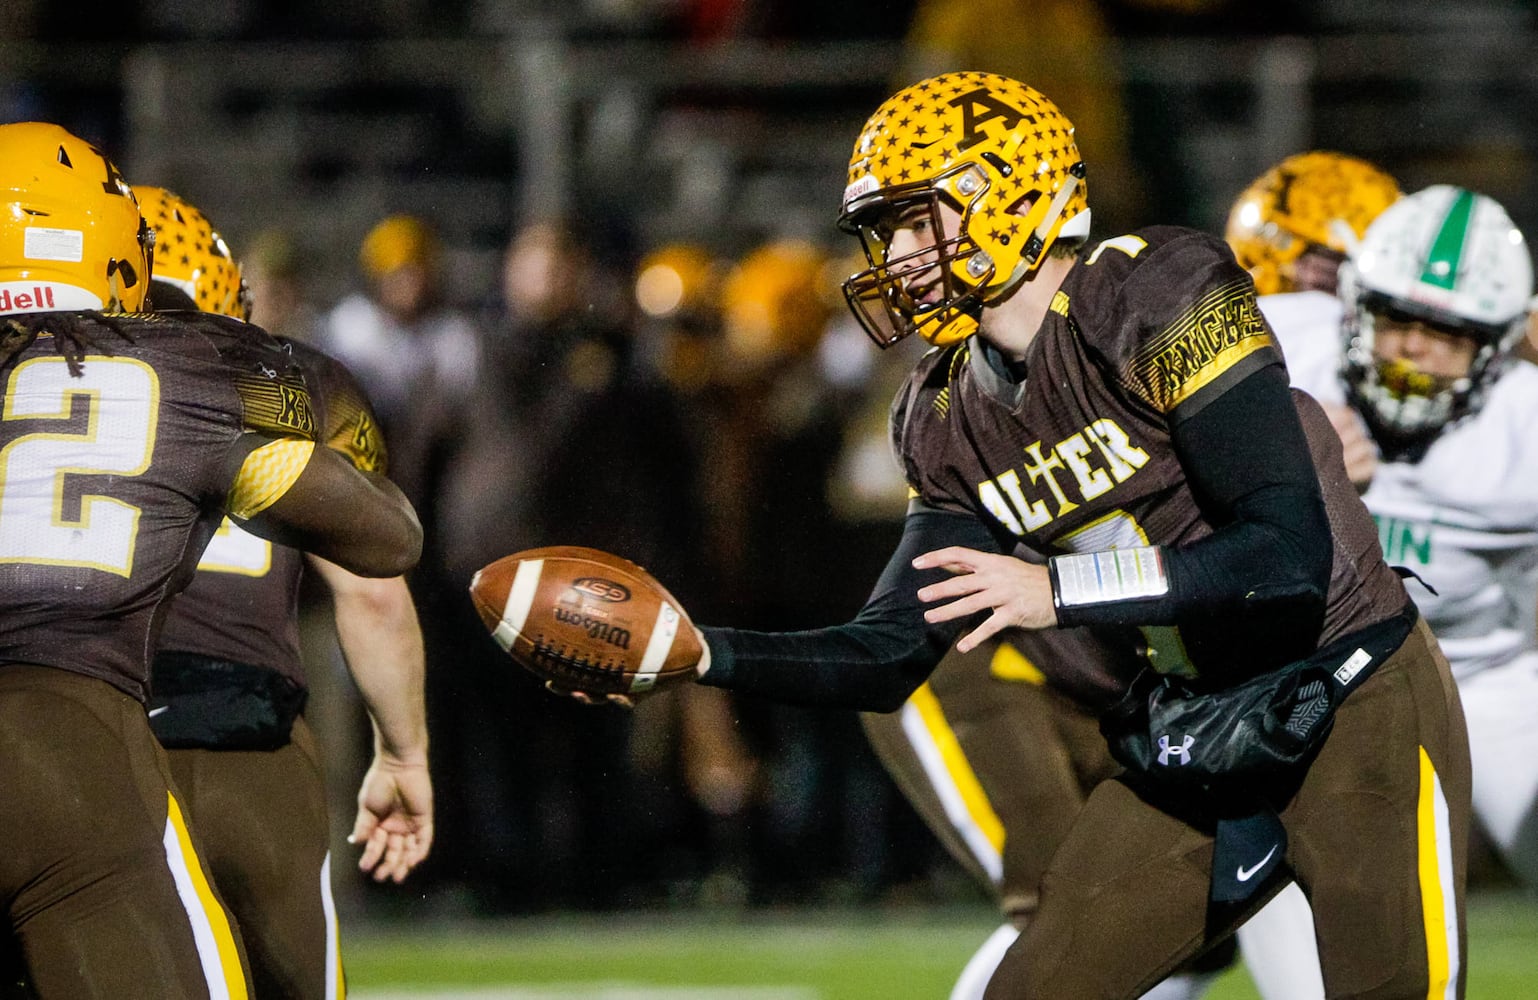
<point>1442,261</point>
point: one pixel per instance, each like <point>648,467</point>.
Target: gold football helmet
<point>771,306</point>
<point>191,256</point>
<point>1317,199</point>
<point>396,241</point>
<point>995,150</point>
<point>71,236</point>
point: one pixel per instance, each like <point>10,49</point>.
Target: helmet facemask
<point>1453,261</point>
<point>1405,407</point>
<point>882,296</point>
<point>966,272</point>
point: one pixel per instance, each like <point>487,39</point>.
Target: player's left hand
<point>1019,593</point>
<point>395,818</point>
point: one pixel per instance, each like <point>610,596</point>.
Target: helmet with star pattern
<point>191,257</point>
<point>995,150</point>
<point>1309,201</point>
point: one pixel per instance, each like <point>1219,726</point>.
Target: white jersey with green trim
<point>1465,517</point>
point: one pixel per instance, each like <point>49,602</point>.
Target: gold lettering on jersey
<point>1121,455</point>
<point>294,411</point>
<point>1059,303</point>
<point>1092,481</point>
<point>1223,327</point>
<point>280,404</point>
<point>1041,468</point>
<point>1086,464</point>
<point>359,439</point>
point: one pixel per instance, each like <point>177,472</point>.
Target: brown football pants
<point>997,764</point>
<point>1377,834</point>
<point>106,895</point>
<point>261,818</point>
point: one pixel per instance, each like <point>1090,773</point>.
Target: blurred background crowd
<point>582,256</point>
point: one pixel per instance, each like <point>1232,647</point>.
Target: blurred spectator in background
<point>566,437</point>
<point>775,423</point>
<point>396,334</point>
<point>275,269</point>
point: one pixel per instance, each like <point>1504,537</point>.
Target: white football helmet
<point>1452,259</point>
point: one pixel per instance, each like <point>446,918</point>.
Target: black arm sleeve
<point>875,661</point>
<point>1266,570</point>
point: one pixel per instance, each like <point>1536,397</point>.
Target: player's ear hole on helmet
<point>123,271</point>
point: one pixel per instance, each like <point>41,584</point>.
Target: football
<point>586,620</point>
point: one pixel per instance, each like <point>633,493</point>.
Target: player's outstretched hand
<point>395,818</point>
<point>1017,592</point>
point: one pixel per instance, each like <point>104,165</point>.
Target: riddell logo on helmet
<point>44,296</point>
<point>35,298</point>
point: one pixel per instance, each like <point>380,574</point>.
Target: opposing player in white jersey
<point>1421,351</point>
<point>1291,229</point>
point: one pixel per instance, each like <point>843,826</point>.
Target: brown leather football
<point>586,620</point>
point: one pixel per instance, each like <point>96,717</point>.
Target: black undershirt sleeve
<point>1266,571</point>
<point>874,662</point>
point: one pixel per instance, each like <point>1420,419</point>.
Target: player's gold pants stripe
<point>336,983</point>
<point>1438,895</point>
<point>1009,664</point>
<point>961,794</point>
<point>210,925</point>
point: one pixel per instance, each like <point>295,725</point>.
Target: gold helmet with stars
<point>1319,199</point>
<point>995,150</point>
<point>70,233</point>
<point>191,257</point>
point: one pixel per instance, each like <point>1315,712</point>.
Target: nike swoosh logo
<point>156,711</point>
<point>1245,874</point>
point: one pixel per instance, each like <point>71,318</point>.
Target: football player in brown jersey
<point>229,688</point>
<point>124,438</point>
<point>1291,228</point>
<point>1119,408</point>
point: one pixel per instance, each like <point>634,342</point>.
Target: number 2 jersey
<point>1465,516</point>
<point>1145,331</point>
<point>242,604</point>
<point>112,480</point>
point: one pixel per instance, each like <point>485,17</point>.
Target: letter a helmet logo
<point>992,109</point>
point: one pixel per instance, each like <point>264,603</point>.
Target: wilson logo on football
<point>604,590</point>
<point>596,628</point>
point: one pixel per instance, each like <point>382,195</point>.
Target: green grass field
<point>797,955</point>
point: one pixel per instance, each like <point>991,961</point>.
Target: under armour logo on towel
<point>1182,753</point>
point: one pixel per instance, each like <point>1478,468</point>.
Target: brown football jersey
<point>112,480</point>
<point>1146,329</point>
<point>242,605</point>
